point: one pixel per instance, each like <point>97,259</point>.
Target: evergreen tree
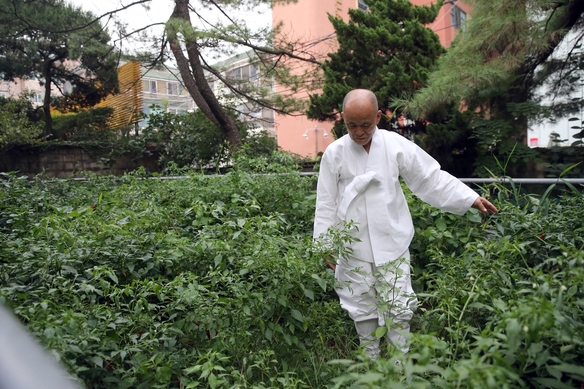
<point>59,45</point>
<point>387,50</point>
<point>494,68</point>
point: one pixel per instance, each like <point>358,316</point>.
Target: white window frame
<point>37,97</point>
<point>152,86</point>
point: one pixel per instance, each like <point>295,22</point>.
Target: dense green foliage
<point>62,46</point>
<point>514,63</point>
<point>90,124</point>
<point>19,122</point>
<point>213,282</point>
<point>191,139</point>
<point>387,49</point>
<point>178,140</point>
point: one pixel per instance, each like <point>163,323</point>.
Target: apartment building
<point>13,89</point>
<point>145,90</point>
<point>244,72</point>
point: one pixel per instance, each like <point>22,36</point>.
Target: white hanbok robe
<point>354,185</point>
<point>365,188</point>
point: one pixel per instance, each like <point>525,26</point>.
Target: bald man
<point>359,181</point>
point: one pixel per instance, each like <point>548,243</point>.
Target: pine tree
<point>57,44</point>
<point>387,49</point>
<point>494,68</point>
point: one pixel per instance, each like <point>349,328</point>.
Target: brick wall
<point>69,161</point>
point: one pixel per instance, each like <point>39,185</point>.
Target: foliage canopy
<point>507,51</point>
<point>387,49</point>
<point>19,123</point>
<point>61,46</point>
<point>213,282</point>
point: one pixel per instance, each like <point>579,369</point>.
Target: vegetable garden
<point>213,282</point>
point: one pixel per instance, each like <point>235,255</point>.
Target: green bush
<point>192,140</point>
<point>88,125</point>
<point>19,122</point>
<point>213,282</point>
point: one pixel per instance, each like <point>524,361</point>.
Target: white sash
<point>370,185</point>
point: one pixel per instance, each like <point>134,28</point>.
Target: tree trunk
<point>196,82</point>
<point>47,100</point>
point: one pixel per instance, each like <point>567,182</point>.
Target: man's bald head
<point>361,96</point>
<point>361,115</point>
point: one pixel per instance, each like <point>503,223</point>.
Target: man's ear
<point>378,117</point>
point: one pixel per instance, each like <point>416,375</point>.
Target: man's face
<point>361,119</point>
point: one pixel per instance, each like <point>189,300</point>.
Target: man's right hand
<point>330,263</point>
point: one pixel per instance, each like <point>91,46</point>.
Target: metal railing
<point>471,180</point>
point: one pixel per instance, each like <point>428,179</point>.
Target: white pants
<point>369,292</point>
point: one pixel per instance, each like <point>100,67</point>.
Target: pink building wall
<point>307,20</point>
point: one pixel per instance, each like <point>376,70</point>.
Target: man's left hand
<point>484,205</point>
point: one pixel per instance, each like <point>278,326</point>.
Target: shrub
<point>19,123</point>
<point>212,281</point>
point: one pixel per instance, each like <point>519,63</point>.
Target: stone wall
<point>69,161</point>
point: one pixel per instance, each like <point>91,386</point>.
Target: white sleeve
<point>326,196</point>
<point>422,174</point>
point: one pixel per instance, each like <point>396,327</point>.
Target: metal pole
<point>315,141</point>
<point>508,180</point>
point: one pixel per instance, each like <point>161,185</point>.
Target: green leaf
<point>192,369</point>
<point>213,382</point>
<point>380,331</point>
<point>575,370</point>
<point>370,378</point>
<point>474,216</point>
<point>514,338</point>
<point>113,277</point>
<point>268,334</point>
<point>97,360</point>
<point>441,224</point>
<point>552,383</point>
<point>49,332</point>
<point>297,315</point>
<point>320,282</point>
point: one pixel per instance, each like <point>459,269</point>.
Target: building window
<point>253,72</point>
<point>150,86</point>
<point>458,16</point>
<point>173,88</point>
<point>235,74</point>
<point>67,88</point>
<point>246,72</point>
<point>37,97</point>
<point>362,6</point>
